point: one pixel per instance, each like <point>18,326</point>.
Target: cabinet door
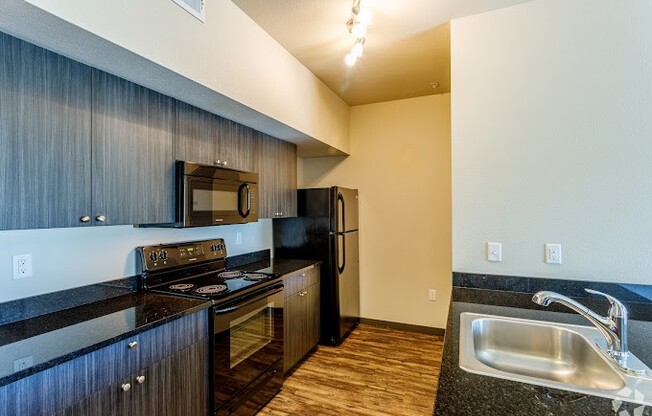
<point>236,145</point>
<point>176,385</point>
<point>287,179</point>
<point>268,176</point>
<point>278,177</point>
<point>295,313</point>
<point>109,401</point>
<point>196,131</point>
<point>133,130</point>
<point>45,137</point>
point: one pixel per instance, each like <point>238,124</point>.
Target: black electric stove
<point>247,324</point>
<point>197,269</point>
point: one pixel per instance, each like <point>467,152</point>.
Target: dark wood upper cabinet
<point>133,134</point>
<point>196,131</point>
<point>236,145</point>
<point>277,166</point>
<point>83,147</point>
<point>45,140</point>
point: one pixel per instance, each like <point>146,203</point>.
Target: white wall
<point>69,257</point>
<point>552,139</point>
<point>227,65</point>
<point>400,163</point>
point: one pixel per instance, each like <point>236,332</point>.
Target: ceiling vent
<point>194,7</point>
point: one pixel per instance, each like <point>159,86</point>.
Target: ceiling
<point>407,46</point>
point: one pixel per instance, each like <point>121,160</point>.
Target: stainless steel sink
<point>566,357</point>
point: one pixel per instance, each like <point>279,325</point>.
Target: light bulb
<point>364,18</point>
<point>350,59</point>
<point>358,30</point>
<point>357,50</point>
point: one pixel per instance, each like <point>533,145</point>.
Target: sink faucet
<point>613,326</point>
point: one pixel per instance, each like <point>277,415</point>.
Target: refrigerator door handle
<point>342,251</point>
<point>340,200</point>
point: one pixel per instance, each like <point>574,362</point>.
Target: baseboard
<point>404,327</point>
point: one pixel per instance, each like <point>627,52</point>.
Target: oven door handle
<point>274,290</point>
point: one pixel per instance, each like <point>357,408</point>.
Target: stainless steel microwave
<point>212,195</point>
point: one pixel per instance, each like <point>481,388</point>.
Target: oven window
<point>251,333</point>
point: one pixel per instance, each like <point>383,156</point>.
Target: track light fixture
<point>357,25</point>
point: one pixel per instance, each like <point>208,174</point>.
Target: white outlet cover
<point>432,295</point>
<point>494,251</point>
<point>553,253</point>
<point>22,266</point>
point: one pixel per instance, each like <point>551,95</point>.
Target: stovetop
<point>196,269</point>
<point>214,286</point>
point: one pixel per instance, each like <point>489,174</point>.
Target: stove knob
<point>153,257</point>
<point>214,247</point>
<point>163,255</point>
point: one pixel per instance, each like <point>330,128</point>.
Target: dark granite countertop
<point>279,266</point>
<point>260,261</point>
<point>47,340</point>
<point>463,393</point>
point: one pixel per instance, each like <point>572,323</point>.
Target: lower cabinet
<point>301,317</point>
<point>176,385</point>
<point>160,372</point>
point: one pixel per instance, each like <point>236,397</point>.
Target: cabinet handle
<point>302,294</point>
<point>140,379</point>
<point>100,218</point>
<point>85,219</point>
<point>217,162</point>
<point>224,163</point>
<point>132,345</point>
<point>303,275</point>
<point>126,387</point>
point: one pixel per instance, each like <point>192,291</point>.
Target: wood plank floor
<point>376,371</point>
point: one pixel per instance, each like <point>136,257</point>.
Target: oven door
<point>218,201</point>
<point>248,341</point>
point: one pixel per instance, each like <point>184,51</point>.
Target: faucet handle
<point>617,309</point>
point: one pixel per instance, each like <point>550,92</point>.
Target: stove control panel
<point>167,256</point>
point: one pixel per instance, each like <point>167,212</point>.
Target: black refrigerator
<point>326,229</point>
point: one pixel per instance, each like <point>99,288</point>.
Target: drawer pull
<point>140,379</point>
<point>133,345</point>
<point>302,294</point>
<point>126,387</point>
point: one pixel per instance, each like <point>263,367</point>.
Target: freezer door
<point>346,209</point>
<point>348,280</point>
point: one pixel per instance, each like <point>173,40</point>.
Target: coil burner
<point>211,289</point>
<point>256,277</point>
<point>230,275</point>
<point>184,287</point>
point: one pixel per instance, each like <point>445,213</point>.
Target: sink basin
<point>566,357</point>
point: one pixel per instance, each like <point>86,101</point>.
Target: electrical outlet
<point>22,266</point>
<point>553,253</point>
<point>23,363</point>
<point>432,295</point>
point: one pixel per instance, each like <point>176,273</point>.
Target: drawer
<point>298,281</point>
<point>151,346</point>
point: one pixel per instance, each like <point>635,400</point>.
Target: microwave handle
<point>244,213</point>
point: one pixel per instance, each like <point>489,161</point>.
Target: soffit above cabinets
<point>407,46</point>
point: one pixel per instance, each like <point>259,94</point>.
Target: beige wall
<point>551,104</point>
<point>400,162</point>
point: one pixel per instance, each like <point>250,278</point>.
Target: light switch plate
<point>494,251</point>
